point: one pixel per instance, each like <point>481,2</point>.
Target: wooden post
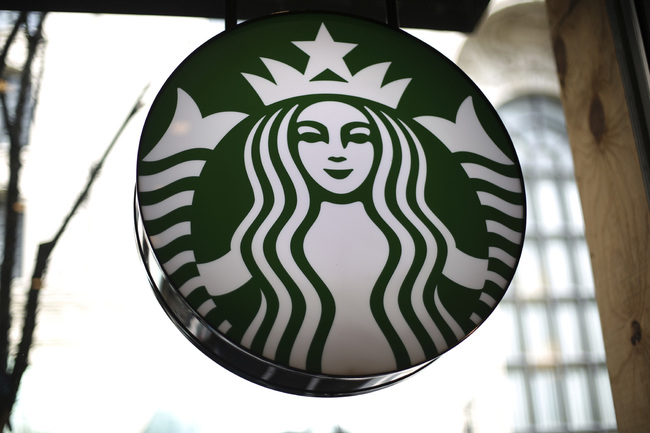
<point>617,219</point>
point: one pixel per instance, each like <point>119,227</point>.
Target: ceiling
<point>455,15</point>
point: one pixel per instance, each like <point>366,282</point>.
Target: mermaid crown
<point>326,57</point>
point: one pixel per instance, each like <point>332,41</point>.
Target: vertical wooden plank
<point>617,219</point>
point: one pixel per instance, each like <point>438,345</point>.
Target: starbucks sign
<point>324,204</point>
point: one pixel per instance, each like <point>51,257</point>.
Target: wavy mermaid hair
<point>298,309</point>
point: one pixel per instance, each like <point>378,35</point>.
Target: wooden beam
<point>617,219</point>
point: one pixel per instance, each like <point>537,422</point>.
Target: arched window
<point>556,360</point>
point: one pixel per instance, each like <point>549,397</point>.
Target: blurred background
<point>105,356</point>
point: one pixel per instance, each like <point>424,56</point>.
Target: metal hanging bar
<point>230,14</point>
<point>392,14</point>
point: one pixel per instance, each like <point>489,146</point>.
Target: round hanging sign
<point>325,204</point>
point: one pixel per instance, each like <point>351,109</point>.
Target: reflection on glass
<point>604,396</point>
<point>547,201</point>
<point>568,330</point>
<point>572,200</point>
<point>585,275</point>
<point>559,272</point>
<point>528,279</point>
<point>544,397</point>
<point>519,400</point>
<point>536,332</point>
<point>560,374</point>
<point>577,397</point>
<point>594,330</point>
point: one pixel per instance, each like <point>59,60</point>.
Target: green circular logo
<point>329,198</point>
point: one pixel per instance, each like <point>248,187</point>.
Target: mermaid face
<point>334,145</point>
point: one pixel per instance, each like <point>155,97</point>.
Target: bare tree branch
<point>5,292</point>
<point>15,118</point>
<point>43,255</point>
<point>42,258</point>
<point>6,117</point>
<point>22,19</point>
<point>14,127</point>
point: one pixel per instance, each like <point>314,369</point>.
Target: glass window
<point>12,89</point>
<point>7,19</point>
<point>547,206</point>
<point>574,209</point>
<point>604,396</point>
<point>536,332</point>
<point>567,320</point>
<point>519,400</point>
<point>529,279</point>
<point>556,355</point>
<point>583,270</point>
<point>558,268</point>
<point>579,413</point>
<point>594,330</point>
<point>545,400</point>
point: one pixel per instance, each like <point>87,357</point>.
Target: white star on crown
<point>326,54</point>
